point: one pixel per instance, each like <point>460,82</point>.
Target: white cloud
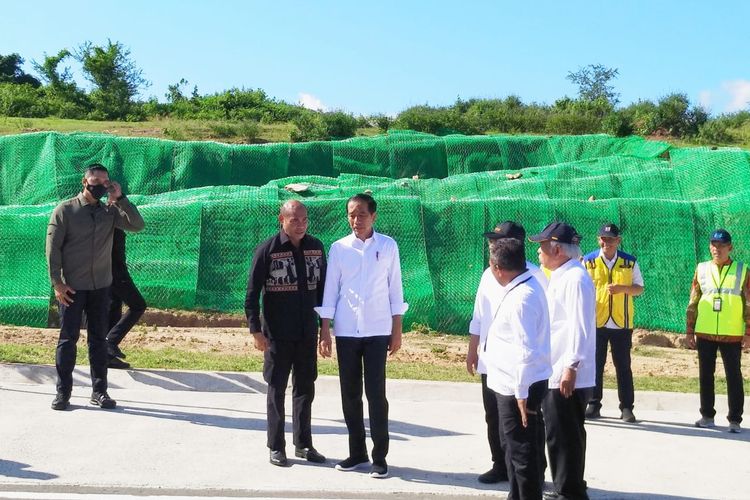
<point>739,94</point>
<point>705,98</point>
<point>309,101</point>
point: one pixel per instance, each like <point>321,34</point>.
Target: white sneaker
<point>705,422</point>
<point>735,428</point>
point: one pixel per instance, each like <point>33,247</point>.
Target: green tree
<point>11,72</point>
<point>64,97</point>
<point>116,78</point>
<point>594,83</point>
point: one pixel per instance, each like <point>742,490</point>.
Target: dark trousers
<point>124,291</point>
<point>94,304</point>
<point>731,354</point>
<point>283,357</point>
<point>355,356</point>
<point>524,447</point>
<point>493,426</point>
<point>621,341</point>
<point>566,440</point>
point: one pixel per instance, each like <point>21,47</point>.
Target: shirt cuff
<point>399,309</point>
<point>325,312</point>
<point>522,392</point>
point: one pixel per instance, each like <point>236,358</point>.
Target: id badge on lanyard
<point>717,304</point>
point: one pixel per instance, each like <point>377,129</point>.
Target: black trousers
<point>124,291</point>
<point>566,440</point>
<point>621,341</point>
<point>358,355</point>
<point>493,426</point>
<point>524,447</point>
<point>731,355</point>
<point>283,357</point>
<point>94,303</point>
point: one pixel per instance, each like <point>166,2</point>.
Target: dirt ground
<point>654,353</point>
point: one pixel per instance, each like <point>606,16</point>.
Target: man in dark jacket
<point>79,257</point>
<point>289,270</point>
<point>123,291</point>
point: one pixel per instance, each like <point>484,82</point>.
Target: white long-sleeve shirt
<point>572,313</point>
<point>363,289</point>
<point>517,350</point>
<point>486,301</point>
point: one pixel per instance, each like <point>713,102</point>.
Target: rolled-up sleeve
<point>395,286</point>
<point>332,284</point>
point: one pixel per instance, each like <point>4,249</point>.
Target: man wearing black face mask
<point>79,257</point>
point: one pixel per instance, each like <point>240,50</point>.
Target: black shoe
<point>61,401</point>
<point>118,364</point>
<point>627,415</point>
<point>102,400</point>
<point>492,476</point>
<point>278,457</point>
<point>352,463</point>
<point>551,495</point>
<point>593,411</point>
<point>379,469</point>
<point>309,454</point>
<point>114,351</point>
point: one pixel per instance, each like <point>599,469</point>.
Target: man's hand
<point>615,289</point>
<point>524,413</point>
<point>472,358</point>
<point>690,340</point>
<point>114,192</point>
<point>746,342</point>
<point>568,382</point>
<point>394,344</point>
<point>64,294</point>
<point>260,341</point>
<point>324,344</point>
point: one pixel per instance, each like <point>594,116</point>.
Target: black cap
<point>722,236</point>
<point>557,231</point>
<point>609,230</point>
<point>507,229</point>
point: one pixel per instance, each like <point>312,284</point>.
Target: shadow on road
<point>9,468</point>
<point>674,428</point>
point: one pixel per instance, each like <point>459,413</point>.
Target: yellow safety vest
<point>618,307</point>
<point>720,309</point>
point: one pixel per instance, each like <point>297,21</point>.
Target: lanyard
<point>501,304</point>
<point>722,278</point>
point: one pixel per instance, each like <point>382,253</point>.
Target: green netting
<point>207,206</point>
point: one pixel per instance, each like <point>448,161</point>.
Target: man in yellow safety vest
<point>718,319</point>
<point>617,279</point>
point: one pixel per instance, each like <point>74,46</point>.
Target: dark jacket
<point>291,282</point>
<point>119,260</point>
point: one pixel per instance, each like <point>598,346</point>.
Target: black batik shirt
<point>291,281</point>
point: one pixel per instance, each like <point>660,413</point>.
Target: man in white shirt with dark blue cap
<point>571,297</point>
<point>485,304</point>
<point>517,356</point>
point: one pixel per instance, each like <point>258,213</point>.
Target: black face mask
<point>96,190</point>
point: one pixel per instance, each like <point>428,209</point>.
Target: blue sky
<point>384,56</point>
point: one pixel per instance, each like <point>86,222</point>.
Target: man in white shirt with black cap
<point>571,298</point>
<point>517,356</point>
<point>364,296</point>
<point>485,304</point>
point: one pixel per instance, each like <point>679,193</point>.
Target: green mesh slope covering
<point>207,206</point>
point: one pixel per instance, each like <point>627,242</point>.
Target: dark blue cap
<point>558,231</point>
<point>507,229</point>
<point>722,236</point>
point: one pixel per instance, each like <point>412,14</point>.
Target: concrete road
<point>198,434</point>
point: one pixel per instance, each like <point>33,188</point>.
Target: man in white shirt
<point>617,279</point>
<point>517,356</point>
<point>485,304</point>
<point>364,297</point>
<point>571,299</point>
